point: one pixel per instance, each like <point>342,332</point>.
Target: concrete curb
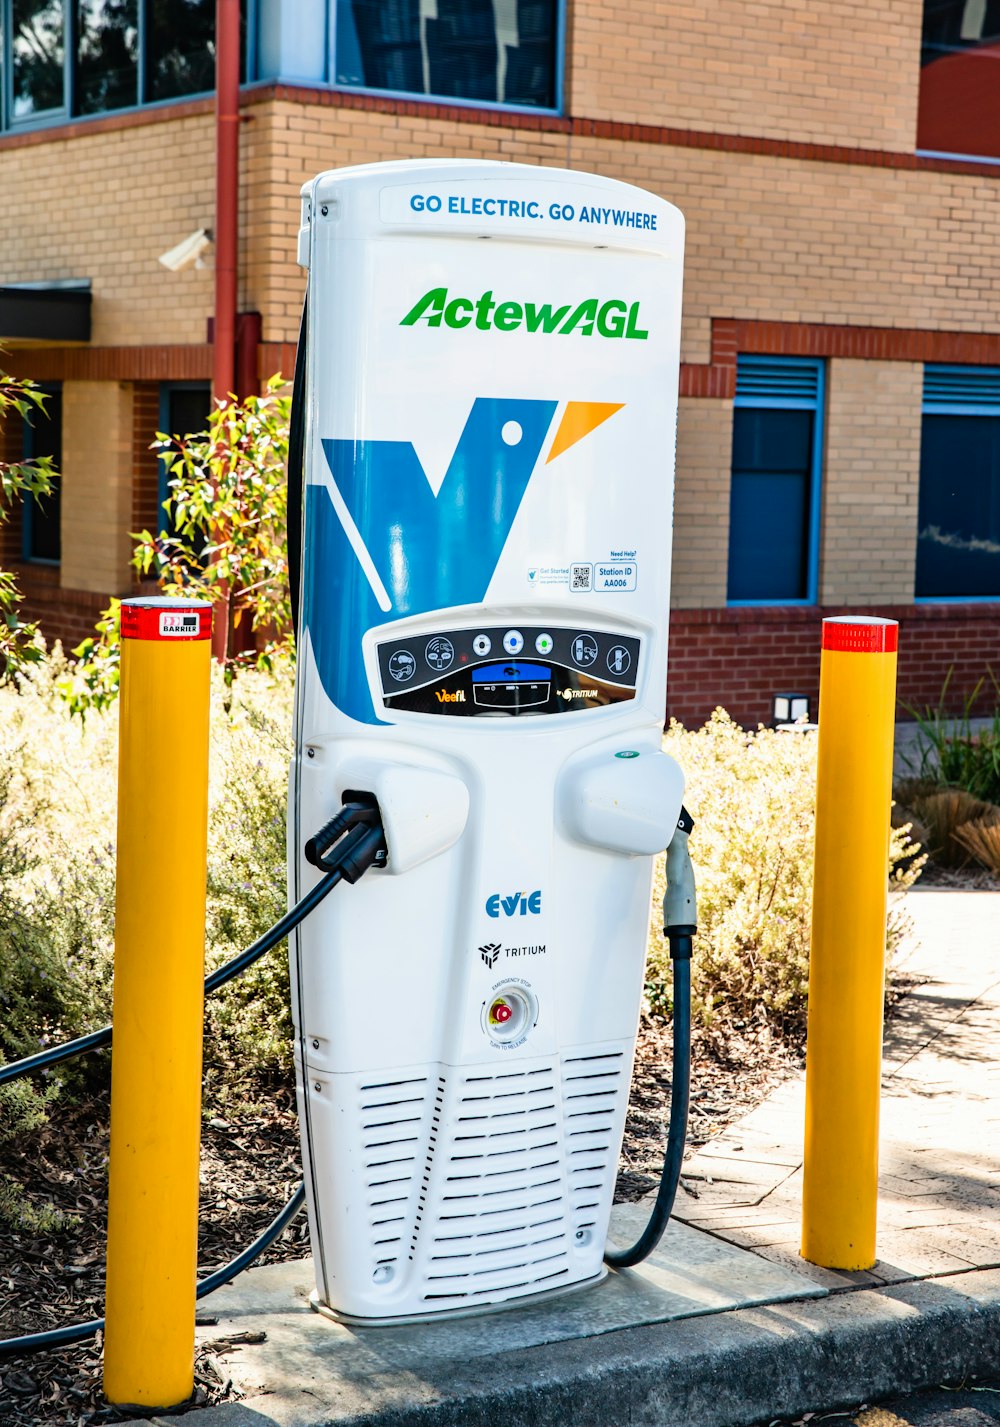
<point>725,1370</point>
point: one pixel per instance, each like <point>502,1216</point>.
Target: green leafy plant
<point>19,640</point>
<point>960,751</point>
<point>227,543</point>
<point>752,796</point>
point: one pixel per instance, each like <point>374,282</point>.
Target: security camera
<point>188,252</point>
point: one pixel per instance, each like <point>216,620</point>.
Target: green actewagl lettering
<point>436,299</point>
<point>633,329</point>
<point>545,316</point>
<point>584,313</point>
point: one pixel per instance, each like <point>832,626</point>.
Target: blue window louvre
<point>958,517</point>
<point>41,540</point>
<point>775,488</point>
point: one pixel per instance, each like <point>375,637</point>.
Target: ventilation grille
<point>432,1140</point>
<point>592,1090</point>
<point>500,1229</point>
<point>962,387</point>
<point>765,377</point>
<point>393,1140</point>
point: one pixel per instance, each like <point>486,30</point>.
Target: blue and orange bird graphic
<point>427,551</point>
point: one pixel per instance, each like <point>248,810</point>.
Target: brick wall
<point>62,614</point>
<point>701,502</point>
<point>146,512</point>
<point>740,657</point>
<point>97,486</point>
<point>770,234</point>
<point>104,204</point>
<point>870,482</point>
<point>846,72</point>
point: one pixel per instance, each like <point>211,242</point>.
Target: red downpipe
<point>227,194</point>
<point>227,178</point>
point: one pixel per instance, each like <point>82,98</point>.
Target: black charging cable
<point>345,848</point>
<point>680,917</point>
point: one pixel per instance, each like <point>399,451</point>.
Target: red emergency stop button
<point>509,1014</point>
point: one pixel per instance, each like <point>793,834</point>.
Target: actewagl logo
<point>612,318</point>
<point>517,903</point>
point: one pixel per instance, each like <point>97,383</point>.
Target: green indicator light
<point>627,753</point>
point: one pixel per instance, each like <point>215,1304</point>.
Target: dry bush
<point>944,813</point>
<point>982,838</point>
<point>752,796</point>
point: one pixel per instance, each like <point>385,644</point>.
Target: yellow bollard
<point>847,962</point>
<point>158,1002</point>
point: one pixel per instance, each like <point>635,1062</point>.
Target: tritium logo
<point>612,318</point>
<point>490,952</point>
<point>517,903</point>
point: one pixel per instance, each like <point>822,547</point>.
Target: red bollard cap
<point>166,620</point>
<point>861,634</point>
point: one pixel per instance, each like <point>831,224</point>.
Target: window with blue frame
<point>775,484</point>
<point>40,525</point>
<point>476,51</point>
<point>184,409</point>
<point>76,57</point>
<point>958,514</point>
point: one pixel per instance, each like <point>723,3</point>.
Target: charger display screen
<point>508,672</point>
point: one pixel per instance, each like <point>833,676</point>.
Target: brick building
<point>839,168</point>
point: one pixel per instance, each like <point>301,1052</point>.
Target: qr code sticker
<point>581,577</point>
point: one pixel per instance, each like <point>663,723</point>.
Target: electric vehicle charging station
<point>489,399</point>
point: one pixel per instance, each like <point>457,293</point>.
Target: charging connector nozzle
<point>352,841</point>
<point>680,903</point>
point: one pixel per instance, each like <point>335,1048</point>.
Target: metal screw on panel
<point>310,753</point>
<point>315,1045</point>
<point>325,211</point>
<point>316,1085</point>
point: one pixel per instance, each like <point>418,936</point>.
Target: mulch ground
<point>250,1167</point>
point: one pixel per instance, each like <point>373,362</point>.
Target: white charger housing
<point>490,396</point>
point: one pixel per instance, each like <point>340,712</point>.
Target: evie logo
<point>523,902</point>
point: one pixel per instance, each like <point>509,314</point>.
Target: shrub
<point>943,813</point>
<point>57,825</point>
<point>752,796</point>
<point>250,1021</point>
<point>960,752</point>
<point>20,643</point>
<point>228,545</point>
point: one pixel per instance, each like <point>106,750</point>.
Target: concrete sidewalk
<point>725,1326</point>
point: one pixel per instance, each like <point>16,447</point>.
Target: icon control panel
<point>489,672</point>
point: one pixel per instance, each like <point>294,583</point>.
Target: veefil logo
<point>381,545</point>
<point>613,318</point>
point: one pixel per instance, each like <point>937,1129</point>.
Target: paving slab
<point>729,1369</point>
<point>939,1193</point>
